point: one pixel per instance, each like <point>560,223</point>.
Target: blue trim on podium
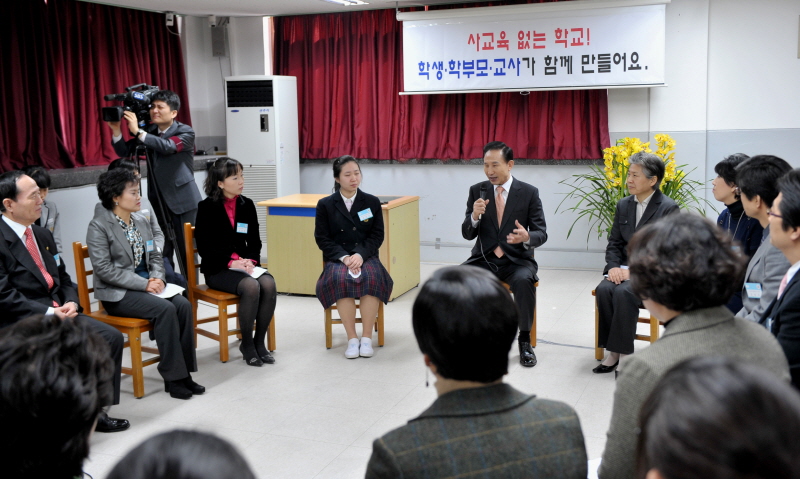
<point>292,211</point>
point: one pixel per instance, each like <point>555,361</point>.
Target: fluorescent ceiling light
<point>347,3</point>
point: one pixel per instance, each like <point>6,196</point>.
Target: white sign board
<point>574,49</point>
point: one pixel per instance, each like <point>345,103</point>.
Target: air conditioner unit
<point>262,124</point>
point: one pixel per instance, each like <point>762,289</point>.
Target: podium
<point>295,261</point>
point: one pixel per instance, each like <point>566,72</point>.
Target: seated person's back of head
<point>182,455</point>
<point>715,418</point>
<point>55,376</point>
<point>465,323</point>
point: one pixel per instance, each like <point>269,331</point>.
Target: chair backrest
<point>191,250</point>
<point>81,253</point>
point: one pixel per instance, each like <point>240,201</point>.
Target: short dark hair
<point>338,164</point>
<point>123,163</point>
<point>714,417</point>
<point>55,377</point>
<point>652,166</point>
<point>726,169</point>
<point>759,175</point>
<point>684,262</point>
<point>8,186</point>
<point>182,455</point>
<point>39,175</point>
<point>112,183</point>
<point>505,150</point>
<point>465,308</point>
<point>218,170</point>
<point>169,97</point>
<point>789,187</point>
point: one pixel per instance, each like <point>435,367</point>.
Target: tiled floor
<point>314,414</point>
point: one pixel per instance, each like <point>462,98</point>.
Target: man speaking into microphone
<point>506,216</point>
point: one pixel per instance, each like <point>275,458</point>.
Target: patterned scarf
<point>134,238</point>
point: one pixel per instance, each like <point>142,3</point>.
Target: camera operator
<point>172,151</point>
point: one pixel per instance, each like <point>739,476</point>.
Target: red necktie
<point>500,204</point>
<point>37,258</point>
<point>782,287</point>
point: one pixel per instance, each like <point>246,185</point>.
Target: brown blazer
<point>489,432</point>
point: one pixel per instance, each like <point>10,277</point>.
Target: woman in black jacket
<point>349,231</point>
<point>228,241</point>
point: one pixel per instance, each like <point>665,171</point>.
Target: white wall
<point>732,73</point>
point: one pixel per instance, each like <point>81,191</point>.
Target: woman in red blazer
<point>349,231</point>
<point>228,241</point>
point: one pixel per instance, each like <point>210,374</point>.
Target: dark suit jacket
<point>625,225</point>
<point>341,233</point>
<point>173,165</point>
<point>23,289</point>
<point>217,240</point>
<point>492,431</point>
<point>524,205</point>
<point>785,315</point>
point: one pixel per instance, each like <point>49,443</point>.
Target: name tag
<point>753,290</point>
<point>57,257</point>
<point>364,215</point>
<point>149,246</point>
<point>769,324</point>
<point>241,228</point>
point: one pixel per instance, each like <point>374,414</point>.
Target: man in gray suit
<point>617,306</point>
<point>685,269</point>
<point>757,179</point>
<point>478,427</point>
<point>171,144</point>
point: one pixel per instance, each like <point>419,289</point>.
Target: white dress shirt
<point>641,206</point>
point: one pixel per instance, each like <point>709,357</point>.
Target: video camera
<point>137,98</point>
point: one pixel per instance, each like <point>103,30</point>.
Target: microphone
<point>483,194</point>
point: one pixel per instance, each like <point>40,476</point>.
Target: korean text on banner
<point>573,49</point>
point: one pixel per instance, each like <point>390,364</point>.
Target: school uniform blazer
<point>49,221</point>
<point>702,332</point>
<point>625,226</point>
<point>339,232</point>
<point>766,268</point>
<point>523,205</point>
<point>785,316</point>
<point>173,164</point>
<point>112,256</point>
<point>217,240</point>
<point>493,431</point>
<point>23,289</point>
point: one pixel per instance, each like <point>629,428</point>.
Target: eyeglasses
<point>769,212</point>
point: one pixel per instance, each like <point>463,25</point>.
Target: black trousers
<point>520,278</point>
<point>115,342</point>
<point>173,327</point>
<point>619,311</point>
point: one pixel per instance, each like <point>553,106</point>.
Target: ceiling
<point>243,8</point>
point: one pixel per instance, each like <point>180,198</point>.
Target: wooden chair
<point>221,299</point>
<point>535,307</point>
<point>330,321</point>
<point>131,327</point>
<point>651,320</point>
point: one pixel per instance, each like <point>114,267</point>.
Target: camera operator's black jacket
<point>173,159</point>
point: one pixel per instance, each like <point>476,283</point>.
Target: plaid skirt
<point>334,282</point>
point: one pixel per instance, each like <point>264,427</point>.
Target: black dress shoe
<point>527,357</point>
<point>266,357</point>
<point>177,389</point>
<point>251,360</point>
<point>602,369</point>
<point>110,424</point>
<point>193,386</point>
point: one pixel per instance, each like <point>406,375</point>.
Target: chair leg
<point>379,324</point>
<point>271,335</point>
<point>653,329</point>
<point>223,332</point>
<point>135,340</point>
<point>598,351</point>
<point>328,328</point>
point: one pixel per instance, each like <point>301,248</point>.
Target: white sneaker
<point>352,349</point>
<point>366,348</point>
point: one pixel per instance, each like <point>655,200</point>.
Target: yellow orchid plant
<point>599,191</point>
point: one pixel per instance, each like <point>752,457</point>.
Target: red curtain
<point>59,58</point>
<point>349,72</point>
